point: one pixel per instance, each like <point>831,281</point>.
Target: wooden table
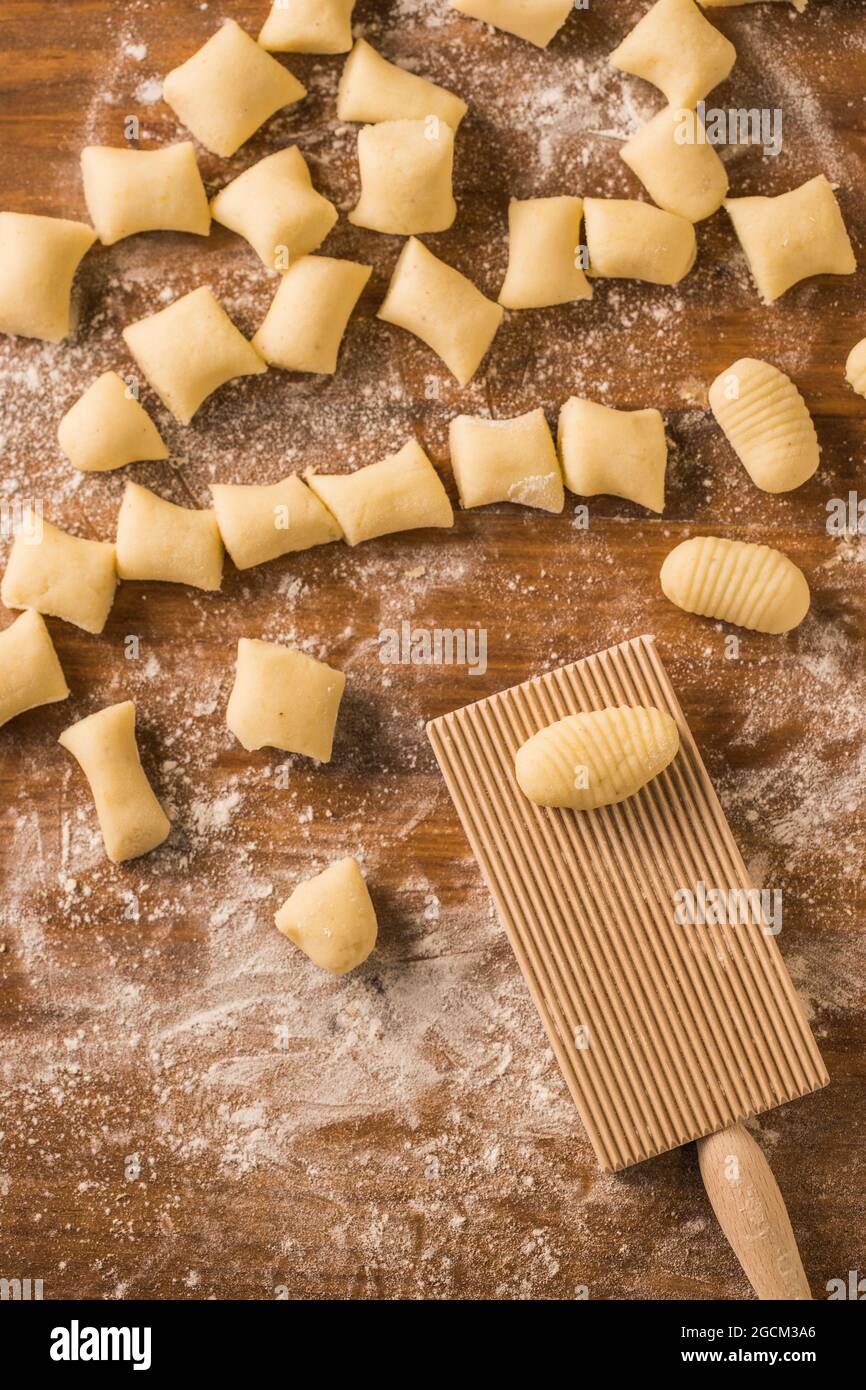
<point>189,1108</point>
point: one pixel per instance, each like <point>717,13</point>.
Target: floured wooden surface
<point>404,1132</point>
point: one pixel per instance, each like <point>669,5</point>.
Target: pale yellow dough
<point>629,240</point>
<point>679,170</point>
<point>506,461</point>
<point>107,428</point>
<point>38,260</point>
<point>308,26</point>
<point>130,817</point>
<point>274,206</point>
<point>406,169</point>
<point>129,191</point>
<point>283,698</point>
<point>62,576</point>
<point>677,49</point>
<point>30,671</point>
<point>767,424</point>
<point>620,452</point>
<point>303,329</point>
<point>372,89</point>
<point>230,87</point>
<point>544,254</point>
<point>855,368</point>
<point>331,918</point>
<point>598,758</point>
<point>158,540</point>
<point>442,308</point>
<point>189,350</point>
<point>534,20</point>
<point>792,237</point>
<point>260,523</point>
<point>402,492</point>
<point>737,582</point>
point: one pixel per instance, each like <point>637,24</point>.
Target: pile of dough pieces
<point>282,698</point>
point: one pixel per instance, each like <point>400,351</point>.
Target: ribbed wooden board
<point>686,1028</point>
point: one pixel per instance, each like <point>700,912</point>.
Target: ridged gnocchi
<point>737,582</point>
<point>598,758</point>
<point>767,424</point>
<point>855,368</point>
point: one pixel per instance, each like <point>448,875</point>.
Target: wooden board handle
<point>752,1214</point>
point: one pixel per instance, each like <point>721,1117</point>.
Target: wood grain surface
<point>189,1109</point>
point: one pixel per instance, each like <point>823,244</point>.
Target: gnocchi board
<point>188,1109</point>
<point>664,1031</point>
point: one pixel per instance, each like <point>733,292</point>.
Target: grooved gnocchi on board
<point>598,758</point>
<point>738,582</point>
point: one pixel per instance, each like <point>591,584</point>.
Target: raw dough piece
<point>107,428</point>
<point>372,89</point>
<point>402,492</point>
<point>258,524</point>
<point>855,368</point>
<point>189,350</point>
<point>442,308</point>
<point>308,26</point>
<point>544,254</point>
<point>597,758</point>
<point>794,236</point>
<point>619,452</point>
<point>736,582</point>
<point>38,260</point>
<point>274,207</point>
<point>406,169</point>
<point>331,918</point>
<point>63,576</point>
<point>130,817</point>
<point>678,50</point>
<point>283,698</point>
<point>535,20</point>
<point>767,424</point>
<point>129,191</point>
<point>230,87</point>
<point>506,461</point>
<point>629,240</point>
<point>304,326</point>
<point>677,167</point>
<point>158,540</point>
<point>30,672</point>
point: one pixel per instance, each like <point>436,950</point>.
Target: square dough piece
<point>260,523</point>
<point>623,453</point>
<point>30,672</point>
<point>535,20</point>
<point>402,492</point>
<point>38,260</point>
<point>230,87</point>
<point>158,540</point>
<point>129,191</point>
<point>544,253</point>
<point>107,428</point>
<point>678,168</point>
<point>372,89</point>
<point>676,49</point>
<point>442,308</point>
<point>506,461</point>
<point>63,576</point>
<point>189,350</point>
<point>308,26</point>
<point>792,237</point>
<point>274,206</point>
<point>406,171</point>
<point>331,918</point>
<point>303,329</point>
<point>630,240</point>
<point>283,698</point>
